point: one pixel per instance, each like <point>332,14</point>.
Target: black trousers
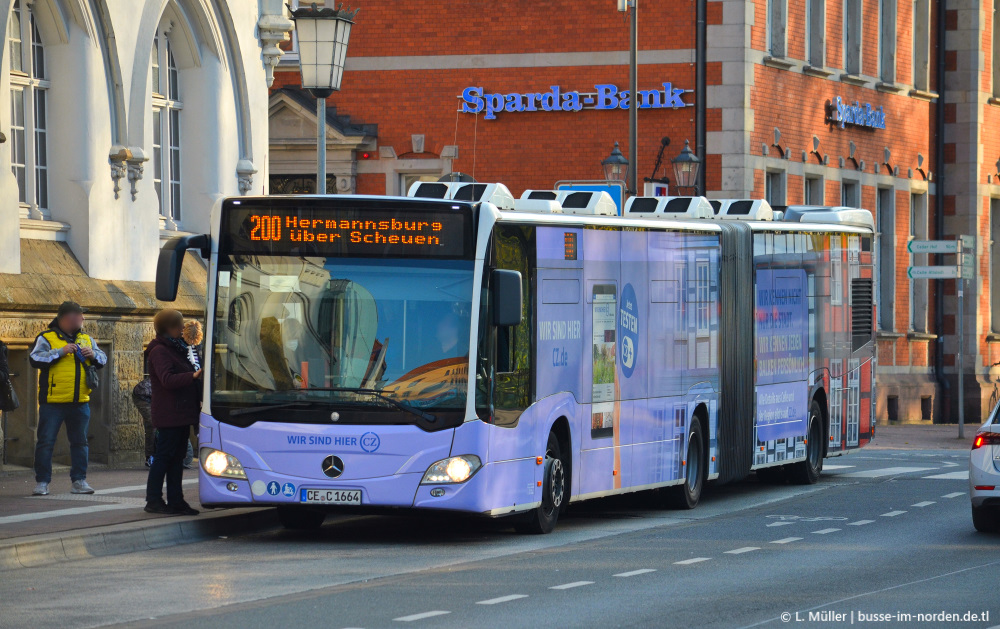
<point>168,462</point>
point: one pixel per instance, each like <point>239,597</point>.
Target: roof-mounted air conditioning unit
<point>495,193</point>
<point>537,206</point>
<point>597,203</point>
<point>835,215</point>
<point>745,210</point>
<point>669,207</point>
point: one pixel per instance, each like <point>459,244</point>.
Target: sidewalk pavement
<point>922,437</point>
<point>39,530</point>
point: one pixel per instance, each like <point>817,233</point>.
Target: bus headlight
<point>217,463</point>
<point>456,469</point>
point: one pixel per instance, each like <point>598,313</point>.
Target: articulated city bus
<point>508,358</point>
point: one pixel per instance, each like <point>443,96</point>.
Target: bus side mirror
<point>505,289</point>
<point>171,261</point>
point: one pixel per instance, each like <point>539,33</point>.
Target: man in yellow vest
<point>62,354</point>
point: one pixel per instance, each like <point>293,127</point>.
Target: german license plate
<point>331,496</point>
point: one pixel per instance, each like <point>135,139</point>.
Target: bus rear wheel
<point>300,519</point>
<point>555,485</point>
<point>688,495</point>
<point>807,472</point>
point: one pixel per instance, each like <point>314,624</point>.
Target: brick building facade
<point>925,163</point>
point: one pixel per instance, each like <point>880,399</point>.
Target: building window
<point>774,188</point>
<point>777,23</point>
<point>885,216</point>
<point>852,36</point>
<point>918,288</point>
<point>922,45</point>
<point>887,41</point>
<point>29,125</point>
<point>167,107</point>
<point>994,265</point>
<point>813,193</point>
<point>996,50</point>
<point>850,194</point>
<point>299,184</point>
<point>816,32</point>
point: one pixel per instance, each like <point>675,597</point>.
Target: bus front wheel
<point>543,518</point>
<point>688,495</point>
<point>300,519</point>
<point>807,472</point>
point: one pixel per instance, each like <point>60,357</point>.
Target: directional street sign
<point>933,272</point>
<point>933,246</point>
<point>968,242</point>
<point>968,266</point>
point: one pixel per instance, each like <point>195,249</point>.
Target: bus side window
<point>513,390</point>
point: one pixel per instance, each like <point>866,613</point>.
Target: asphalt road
<point>881,533</point>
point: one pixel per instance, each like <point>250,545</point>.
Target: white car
<point>984,475</point>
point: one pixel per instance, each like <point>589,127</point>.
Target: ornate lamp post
<point>686,167</point>
<point>323,35</point>
<point>615,165</point>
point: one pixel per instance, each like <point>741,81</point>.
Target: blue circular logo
<point>628,330</point>
<point>273,488</point>
<point>370,442</point>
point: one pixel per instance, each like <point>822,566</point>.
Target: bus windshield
<point>333,332</point>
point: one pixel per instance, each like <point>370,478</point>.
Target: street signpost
<point>933,272</point>
<point>964,249</point>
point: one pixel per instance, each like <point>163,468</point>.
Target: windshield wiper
<point>403,406</point>
<point>269,407</point>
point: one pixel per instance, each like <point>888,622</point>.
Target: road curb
<point>118,539</point>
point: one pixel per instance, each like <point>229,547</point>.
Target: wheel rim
<point>557,484</point>
<point>693,472</point>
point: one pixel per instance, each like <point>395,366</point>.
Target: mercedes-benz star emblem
<point>333,466</point>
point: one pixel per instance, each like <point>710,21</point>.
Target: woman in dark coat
<point>175,406</point>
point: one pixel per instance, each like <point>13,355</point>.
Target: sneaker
<point>41,489</point>
<point>183,509</point>
<point>158,506</point>
<point>190,466</point>
<point>81,487</point>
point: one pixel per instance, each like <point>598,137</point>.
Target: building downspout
<point>701,42</point>
<point>943,384</point>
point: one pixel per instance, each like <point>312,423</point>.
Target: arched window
<point>167,108</point>
<point>28,133</point>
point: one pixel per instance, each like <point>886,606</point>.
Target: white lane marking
<point>892,514</point>
<point>825,531</point>
<point>502,599</point>
<point>786,540</point>
<point>836,467</point>
<point>962,475</point>
<point>634,573</point>
<point>860,523</point>
<point>780,523</point>
<point>421,616</point>
<point>740,551</point>
<point>925,503</point>
<point>688,562</point>
<point>886,471</point>
<point>574,584</point>
<point>954,494</point>
<point>122,490</point>
<point>58,513</point>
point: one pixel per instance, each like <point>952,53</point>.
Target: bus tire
<point>687,495</point>
<point>300,519</point>
<point>807,472</point>
<point>555,492</point>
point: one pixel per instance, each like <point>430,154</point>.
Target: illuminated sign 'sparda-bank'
<point>605,96</point>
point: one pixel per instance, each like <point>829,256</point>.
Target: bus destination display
<point>346,232</point>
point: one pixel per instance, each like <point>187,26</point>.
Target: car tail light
<point>985,487</point>
<point>985,439</point>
